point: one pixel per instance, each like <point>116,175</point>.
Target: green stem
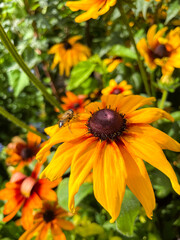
<point>163,99</point>
<point>141,67</point>
<point>12,50</point>
<point>20,123</point>
<point>152,83</point>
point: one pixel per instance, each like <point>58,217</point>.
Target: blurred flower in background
<point>115,88</point>
<point>161,51</point>
<point>50,217</point>
<point>68,54</point>
<point>28,193</point>
<point>21,153</point>
<point>93,8</point>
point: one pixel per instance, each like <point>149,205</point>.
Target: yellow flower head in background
<point>112,63</point>
<point>159,51</point>
<point>68,54</point>
<point>115,88</point>
<point>111,139</point>
<point>93,8</point>
<point>50,217</point>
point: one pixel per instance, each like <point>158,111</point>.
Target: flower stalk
<point>163,99</point>
<point>20,123</point>
<point>12,50</point>
<point>140,64</point>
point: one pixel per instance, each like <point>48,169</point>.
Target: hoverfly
<point>65,117</point>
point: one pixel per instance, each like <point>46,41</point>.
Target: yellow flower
<point>112,63</point>
<point>68,54</point>
<point>50,217</point>
<point>111,139</point>
<point>93,8</point>
<point>115,88</point>
<point>159,51</point>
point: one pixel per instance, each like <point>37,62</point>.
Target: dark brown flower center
<point>117,91</point>
<point>26,153</point>
<point>48,215</point>
<point>76,105</point>
<point>106,124</point>
<point>160,52</point>
<point>67,45</point>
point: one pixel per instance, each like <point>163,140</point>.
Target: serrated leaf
<point>172,11</point>
<point>122,51</point>
<point>80,73</point>
<point>62,193</point>
<point>129,211</point>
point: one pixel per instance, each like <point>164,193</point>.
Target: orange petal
<point>13,213</point>
<point>30,233</point>
<point>33,139</point>
<point>138,181</point>
<point>161,138</point>
<point>148,150</point>
<point>109,179</point>
<point>60,162</point>
<point>148,115</point>
<point>81,166</point>
<point>64,224</point>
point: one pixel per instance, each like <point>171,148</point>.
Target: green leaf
<point>80,73</point>
<point>160,183</point>
<point>129,210</point>
<point>89,230</point>
<point>172,11</point>
<point>122,51</point>
<point>18,81</point>
<point>62,193</point>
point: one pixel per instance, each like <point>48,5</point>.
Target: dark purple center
<point>67,45</point>
<point>106,124</point>
<point>27,153</point>
<point>76,105</point>
<point>160,52</point>
<point>48,216</point>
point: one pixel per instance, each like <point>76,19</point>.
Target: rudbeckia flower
<point>115,88</point>
<point>50,217</point>
<point>112,63</point>
<point>111,139</point>
<point>74,102</point>
<point>28,193</point>
<point>159,51</point>
<point>93,8</point>
<point>69,54</point>
<point>21,153</point>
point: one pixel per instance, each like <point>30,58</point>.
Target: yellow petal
<point>60,162</point>
<point>138,181</point>
<point>109,179</point>
<point>81,166</point>
<point>161,138</point>
<point>148,115</point>
<point>148,150</point>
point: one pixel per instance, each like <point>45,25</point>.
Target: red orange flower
<point>115,88</point>
<point>28,193</point>
<point>50,217</point>
<point>159,51</point>
<point>93,8</point>
<point>21,153</point>
<point>112,138</point>
<point>68,54</point>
